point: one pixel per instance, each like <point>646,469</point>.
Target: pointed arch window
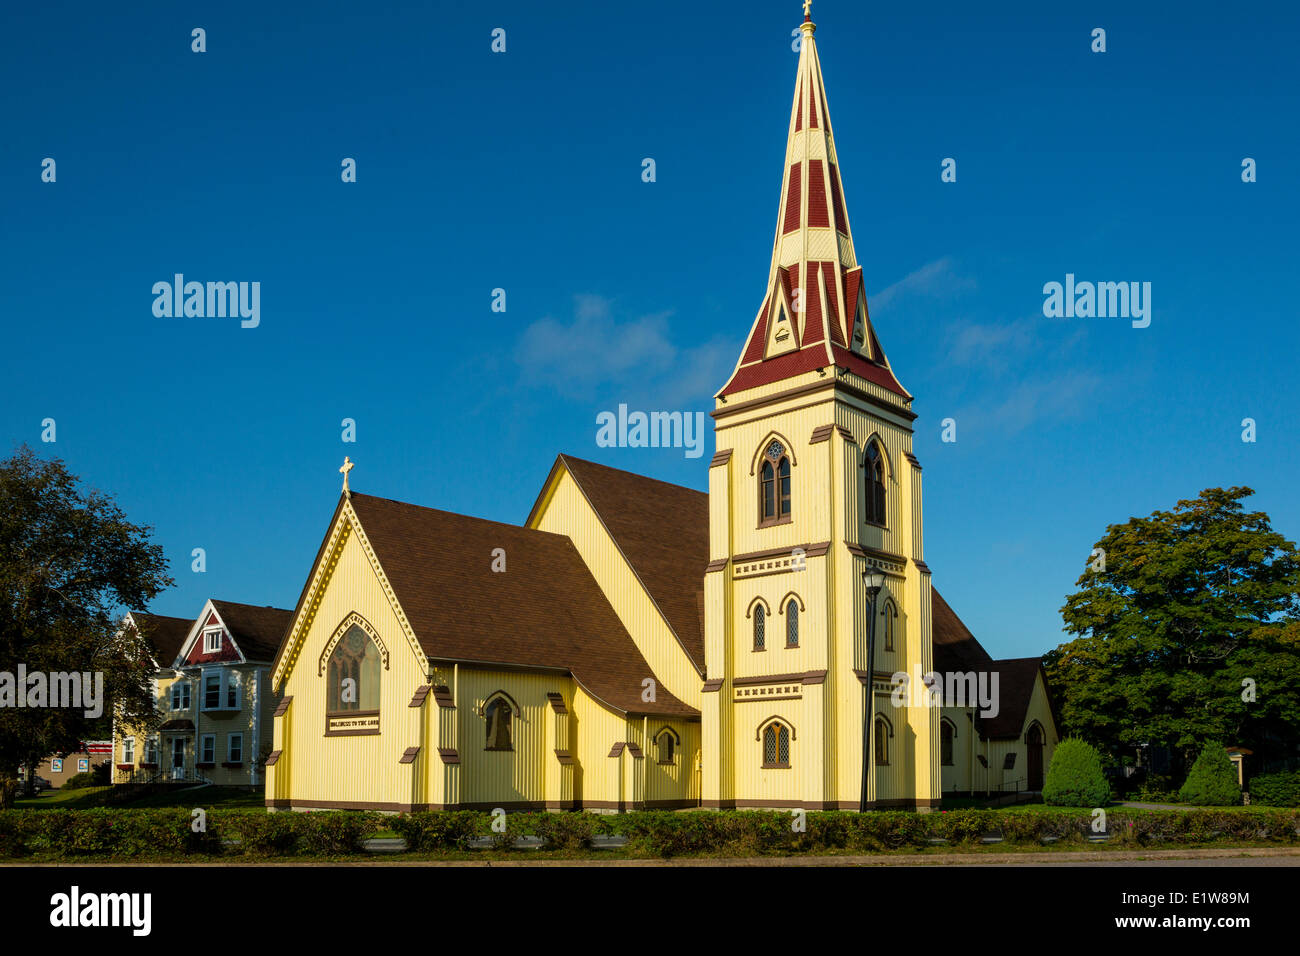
<point>760,627</point>
<point>792,623</point>
<point>354,673</point>
<point>874,506</point>
<point>774,484</point>
<point>946,734</point>
<point>883,733</point>
<point>776,746</point>
<point>667,741</point>
<point>498,714</point>
<point>891,614</point>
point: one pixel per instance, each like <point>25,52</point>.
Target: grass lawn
<point>88,797</point>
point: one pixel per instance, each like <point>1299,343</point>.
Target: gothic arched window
<point>792,623</point>
<point>760,627</point>
<point>874,505</point>
<point>945,742</point>
<point>667,743</point>
<point>883,733</point>
<point>774,483</point>
<point>497,714</point>
<point>776,745</point>
<point>354,673</point>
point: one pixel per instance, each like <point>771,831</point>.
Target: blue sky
<point>522,171</point>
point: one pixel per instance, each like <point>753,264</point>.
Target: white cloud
<point>597,350</point>
<point>935,280</point>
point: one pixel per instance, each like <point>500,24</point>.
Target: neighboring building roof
<point>662,530</point>
<point>545,610</point>
<point>1016,679</point>
<point>164,634</point>
<point>257,630</point>
<point>956,649</point>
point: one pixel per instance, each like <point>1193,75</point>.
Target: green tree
<point>1075,778</point>
<point>1212,781</point>
<point>70,564</point>
<point>1189,631</point>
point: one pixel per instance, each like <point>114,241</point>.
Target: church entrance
<point>1034,744</point>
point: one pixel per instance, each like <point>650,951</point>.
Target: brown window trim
<point>789,646</point>
<point>667,763</point>
<point>509,749</point>
<point>776,766</point>
<point>876,524</point>
<point>773,522</point>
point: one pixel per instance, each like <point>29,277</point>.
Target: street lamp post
<point>874,580</point>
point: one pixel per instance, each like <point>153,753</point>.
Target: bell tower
<point>814,486</point>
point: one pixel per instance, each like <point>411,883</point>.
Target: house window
<point>128,750</point>
<point>235,748</point>
<point>212,641</point>
<point>497,713</point>
<point>874,510</point>
<point>792,623</point>
<point>760,625</point>
<point>945,743</point>
<point>882,742</point>
<point>211,691</point>
<point>1009,762</point>
<point>354,673</point>
<point>774,483</point>
<point>776,746</point>
<point>232,692</point>
<point>151,750</point>
<point>208,748</point>
<point>181,695</point>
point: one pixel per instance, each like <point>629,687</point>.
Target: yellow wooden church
<point>636,644</point>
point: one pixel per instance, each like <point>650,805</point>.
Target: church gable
<point>491,593</point>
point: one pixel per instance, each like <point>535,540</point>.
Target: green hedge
<point>129,833</point>
<point>1276,789</point>
<point>167,833</point>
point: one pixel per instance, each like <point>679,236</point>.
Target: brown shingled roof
<point>1016,678</point>
<point>955,647</point>
<point>545,610</point>
<point>663,531</point>
<point>164,634</point>
<point>257,630</point>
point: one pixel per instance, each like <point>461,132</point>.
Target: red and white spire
<point>814,314</point>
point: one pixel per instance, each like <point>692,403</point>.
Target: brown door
<point>1034,744</point>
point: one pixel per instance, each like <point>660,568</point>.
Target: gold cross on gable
<point>347,466</point>
<point>807,8</point>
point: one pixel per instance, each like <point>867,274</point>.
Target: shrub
<point>1212,781</point>
<point>425,831</point>
<point>1276,789</point>
<point>79,781</point>
<point>1157,788</point>
<point>1075,778</point>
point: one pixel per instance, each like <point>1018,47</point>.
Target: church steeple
<point>814,313</point>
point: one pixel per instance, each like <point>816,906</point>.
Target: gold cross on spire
<point>807,9</point>
<point>347,466</point>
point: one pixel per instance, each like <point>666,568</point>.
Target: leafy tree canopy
<point>70,565</point>
<point>1188,629</point>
